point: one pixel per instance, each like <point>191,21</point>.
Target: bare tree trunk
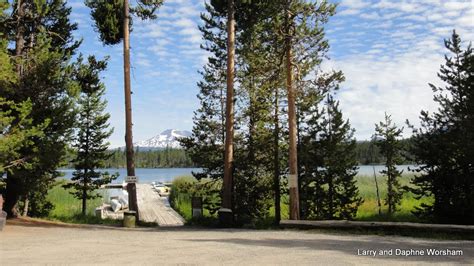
<point>330,175</point>
<point>84,190</point>
<point>293,164</point>
<point>377,189</point>
<point>12,197</point>
<point>276,161</point>
<point>131,187</point>
<point>84,200</point>
<point>229,156</point>
<point>19,37</point>
<point>252,119</point>
<point>25,207</point>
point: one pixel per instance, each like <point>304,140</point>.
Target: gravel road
<point>21,244</point>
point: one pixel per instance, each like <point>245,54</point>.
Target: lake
<point>369,169</point>
<point>145,175</point>
<point>148,175</point>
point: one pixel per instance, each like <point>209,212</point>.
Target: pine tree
<point>16,135</point>
<point>108,16</point>
<point>113,21</point>
<point>444,144</point>
<point>41,33</point>
<point>206,145</point>
<point>15,118</point>
<point>254,164</point>
<point>90,140</point>
<point>387,137</point>
<point>311,113</point>
<point>260,72</point>
<point>301,33</point>
<point>329,188</point>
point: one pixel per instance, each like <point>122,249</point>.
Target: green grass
<point>368,211</point>
<point>68,209</point>
<point>180,200</point>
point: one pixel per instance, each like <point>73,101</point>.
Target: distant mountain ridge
<point>166,139</point>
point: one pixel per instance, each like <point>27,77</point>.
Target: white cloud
<point>397,86</point>
<point>456,5</point>
<point>373,15</point>
<point>185,23</point>
<point>348,12</point>
<point>390,73</point>
<point>355,4</point>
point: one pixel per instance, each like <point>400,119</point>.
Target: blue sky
<point>388,50</point>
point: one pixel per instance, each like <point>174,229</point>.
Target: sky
<point>388,51</point>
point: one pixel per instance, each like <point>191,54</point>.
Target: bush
<point>186,187</point>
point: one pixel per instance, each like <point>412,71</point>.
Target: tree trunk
<point>84,201</point>
<point>25,207</point>
<point>19,37</point>
<point>377,190</point>
<point>14,189</point>
<point>389,184</point>
<point>12,197</point>
<point>330,175</point>
<point>131,188</point>
<point>276,161</point>
<point>228,158</point>
<point>330,196</point>
<point>252,119</point>
<point>84,193</point>
<point>293,161</point>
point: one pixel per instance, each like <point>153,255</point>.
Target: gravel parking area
<point>45,244</point>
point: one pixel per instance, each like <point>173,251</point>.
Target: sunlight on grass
<point>368,211</point>
<point>68,209</point>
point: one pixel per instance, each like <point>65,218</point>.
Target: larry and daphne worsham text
<point>409,252</point>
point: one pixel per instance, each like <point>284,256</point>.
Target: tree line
<point>367,153</point>
<point>163,158</point>
<point>279,47</point>
<point>269,124</point>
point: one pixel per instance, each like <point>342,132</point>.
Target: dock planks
<point>155,209</point>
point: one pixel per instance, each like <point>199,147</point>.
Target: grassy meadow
<point>68,209</point>
<point>368,211</point>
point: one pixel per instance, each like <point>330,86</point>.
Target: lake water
<point>369,169</point>
<point>148,175</point>
<point>145,175</point>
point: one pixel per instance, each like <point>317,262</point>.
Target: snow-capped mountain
<point>167,138</point>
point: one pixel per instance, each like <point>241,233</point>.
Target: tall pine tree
<point>90,141</point>
<point>206,145</point>
<point>444,144</point>
<point>41,34</point>
<point>329,166</point>
<point>387,136</point>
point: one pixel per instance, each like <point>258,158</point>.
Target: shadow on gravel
<point>34,222</point>
<point>351,247</point>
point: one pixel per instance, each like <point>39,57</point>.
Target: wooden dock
<point>155,209</point>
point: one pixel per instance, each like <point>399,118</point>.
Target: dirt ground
<point>25,243</point>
